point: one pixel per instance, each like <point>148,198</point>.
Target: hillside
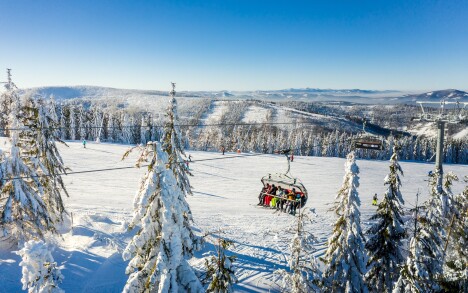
<point>326,110</point>
<point>225,197</point>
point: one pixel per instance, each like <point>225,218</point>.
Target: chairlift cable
<point>128,167</point>
<point>162,126</point>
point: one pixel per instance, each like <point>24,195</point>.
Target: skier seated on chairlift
<point>374,200</point>
<point>295,203</point>
<point>280,201</point>
<point>270,195</point>
<point>290,195</point>
<point>262,194</point>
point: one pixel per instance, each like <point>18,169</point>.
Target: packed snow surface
<point>225,197</point>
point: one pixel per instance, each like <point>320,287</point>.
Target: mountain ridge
<point>305,94</point>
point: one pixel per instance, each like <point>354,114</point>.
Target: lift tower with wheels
<point>442,116</point>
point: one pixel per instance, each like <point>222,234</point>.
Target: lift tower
<point>442,116</point>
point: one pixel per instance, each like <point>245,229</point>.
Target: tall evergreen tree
<point>423,271</point>
<point>172,145</point>
<point>385,236</point>
<point>41,134</point>
<point>24,214</point>
<point>73,133</point>
<point>456,244</point>
<point>6,102</point>
<point>345,256</point>
<point>158,252</point>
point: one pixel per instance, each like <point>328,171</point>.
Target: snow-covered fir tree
<point>303,275</point>
<point>24,214</point>
<point>423,271</point>
<point>158,252</point>
<point>455,247</point>
<point>82,123</point>
<point>6,103</point>
<point>41,136</point>
<point>63,127</point>
<point>456,272</point>
<point>220,274</point>
<point>172,145</point>
<point>72,117</point>
<point>40,273</point>
<point>385,236</point>
<point>345,255</point>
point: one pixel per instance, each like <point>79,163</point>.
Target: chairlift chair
<point>286,181</point>
<point>365,140</point>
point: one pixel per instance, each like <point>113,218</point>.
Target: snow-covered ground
<point>217,109</point>
<point>225,197</point>
<point>255,114</point>
<point>462,134</point>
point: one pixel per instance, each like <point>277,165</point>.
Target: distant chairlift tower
<point>8,83</point>
<point>440,117</point>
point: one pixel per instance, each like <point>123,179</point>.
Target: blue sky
<point>237,45</point>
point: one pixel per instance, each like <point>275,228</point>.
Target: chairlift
<point>286,181</point>
<point>366,140</point>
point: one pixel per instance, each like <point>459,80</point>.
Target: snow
<point>225,194</point>
<point>426,129</point>
<point>255,114</point>
<point>217,109</point>
<point>462,134</point>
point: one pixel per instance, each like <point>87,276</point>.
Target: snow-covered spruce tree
<point>40,273</point>
<point>303,275</point>
<point>6,103</point>
<point>41,136</point>
<point>158,252</point>
<point>423,271</point>
<point>24,214</point>
<point>219,271</point>
<point>455,246</point>
<point>82,123</point>
<point>172,145</point>
<point>385,236</point>
<point>73,133</point>
<point>345,256</point>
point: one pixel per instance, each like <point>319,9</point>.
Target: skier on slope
<point>84,143</point>
<point>374,200</point>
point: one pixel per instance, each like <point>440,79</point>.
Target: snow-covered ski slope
<point>225,198</point>
<point>255,112</point>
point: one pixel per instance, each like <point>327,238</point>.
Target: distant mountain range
<point>306,94</point>
<point>450,95</point>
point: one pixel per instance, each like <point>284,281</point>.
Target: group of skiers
<point>281,199</point>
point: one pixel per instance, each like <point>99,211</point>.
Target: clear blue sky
<point>237,45</point>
